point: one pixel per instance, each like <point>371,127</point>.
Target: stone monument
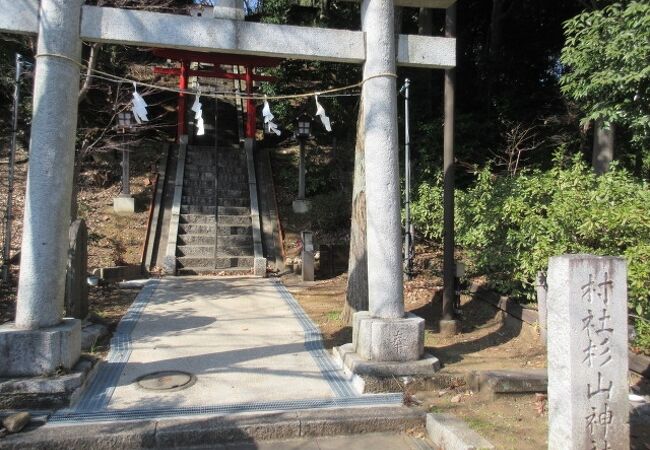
<point>587,353</point>
<point>76,284</point>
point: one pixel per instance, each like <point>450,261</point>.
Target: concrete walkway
<point>246,340</point>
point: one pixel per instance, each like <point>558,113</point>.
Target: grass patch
<point>333,315</point>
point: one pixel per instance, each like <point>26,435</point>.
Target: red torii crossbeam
<point>184,71</point>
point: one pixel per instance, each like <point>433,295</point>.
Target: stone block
<point>41,351</point>
<point>587,353</point>
<point>492,383</point>
<point>259,267</point>
<point>229,9</point>
<point>16,422</point>
<point>44,392</point>
<point>379,339</point>
<point>449,327</point>
<point>353,363</point>
<point>119,273</point>
<point>301,206</point>
<point>307,266</point>
<point>124,205</point>
<point>450,433</point>
<point>76,287</point>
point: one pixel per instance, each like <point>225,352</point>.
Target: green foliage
<point>607,53</point>
<point>509,226</point>
<point>642,335</point>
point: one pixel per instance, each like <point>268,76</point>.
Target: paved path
<point>246,340</point>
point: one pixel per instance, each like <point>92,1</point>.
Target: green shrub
<point>509,226</point>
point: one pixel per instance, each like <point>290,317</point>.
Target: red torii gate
<point>184,71</point>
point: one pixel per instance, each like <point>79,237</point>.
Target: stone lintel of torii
<point>41,340</point>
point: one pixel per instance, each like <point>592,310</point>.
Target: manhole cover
<point>166,381</point>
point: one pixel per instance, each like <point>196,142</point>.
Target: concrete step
<point>196,261</point>
<point>233,184</point>
<point>304,427</point>
<point>198,200</point>
<point>206,150</point>
<point>206,251</point>
<point>200,184</point>
<point>235,240</point>
<point>201,166</point>
<point>231,164</point>
<point>196,228</point>
<point>234,210</point>
<point>236,171</point>
<point>202,192</point>
<point>196,239</point>
<point>214,271</point>
<point>234,261</point>
<point>201,160</point>
<point>233,220</point>
<point>232,230</point>
<point>198,209</point>
<point>232,193</point>
<point>238,202</point>
<point>235,251</point>
<point>199,175</point>
<point>198,218</point>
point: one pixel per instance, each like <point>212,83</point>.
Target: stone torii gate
<point>41,340</point>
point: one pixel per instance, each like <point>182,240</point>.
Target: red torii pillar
<point>182,101</point>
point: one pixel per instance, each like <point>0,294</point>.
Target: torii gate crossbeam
<point>40,340</point>
<point>153,29</point>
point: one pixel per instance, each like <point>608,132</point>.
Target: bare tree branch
<point>92,63</point>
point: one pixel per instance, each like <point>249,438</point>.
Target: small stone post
<point>39,342</point>
<point>587,353</point>
<point>76,289</point>
<point>307,256</point>
<point>541,289</point>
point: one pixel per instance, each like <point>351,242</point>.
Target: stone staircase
<point>234,228</point>
<point>214,231</point>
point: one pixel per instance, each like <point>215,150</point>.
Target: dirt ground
<point>112,239</point>
<point>486,342</point>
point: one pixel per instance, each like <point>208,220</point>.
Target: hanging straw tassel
<point>320,111</point>
<point>139,106</point>
<point>268,119</point>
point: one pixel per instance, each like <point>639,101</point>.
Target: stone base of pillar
<point>352,362</point>
<point>124,204</point>
<point>449,327</point>
<point>39,352</point>
<point>259,267</point>
<point>301,206</point>
<point>386,347</point>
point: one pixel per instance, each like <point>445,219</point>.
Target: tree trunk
<point>500,10</point>
<point>603,150</point>
<point>356,298</point>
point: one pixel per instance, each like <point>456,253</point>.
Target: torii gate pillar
<point>40,341</point>
<point>385,340</point>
